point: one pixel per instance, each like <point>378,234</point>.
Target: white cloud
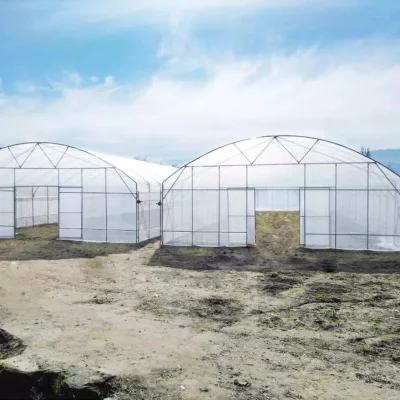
<point>350,99</point>
<point>109,80</point>
<point>94,79</point>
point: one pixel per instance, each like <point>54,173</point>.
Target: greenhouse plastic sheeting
<point>344,199</point>
<point>92,196</point>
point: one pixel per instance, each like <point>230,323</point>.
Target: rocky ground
<point>176,323</point>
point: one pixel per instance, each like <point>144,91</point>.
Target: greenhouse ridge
<point>340,198</point>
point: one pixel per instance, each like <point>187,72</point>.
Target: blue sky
<point>169,79</point>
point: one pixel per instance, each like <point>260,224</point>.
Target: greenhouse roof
<point>45,155</point>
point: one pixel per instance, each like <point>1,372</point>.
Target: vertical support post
<point>367,206</point>
<point>33,208</point>
<point>335,206</point>
<point>15,207</point>
<point>81,203</point>
<point>105,195</point>
<point>305,205</point>
<point>161,214</point>
<point>227,213</point>
<point>47,204</point>
<point>219,206</point>
<point>329,215</point>
<point>247,195</point>
<point>137,214</point>
<point>58,202</point>
<point>148,204</point>
<point>255,215</point>
<point>192,211</point>
<point>299,217</point>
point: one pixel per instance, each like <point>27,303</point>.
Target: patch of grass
<point>145,387</point>
<point>217,309</point>
<point>36,395</point>
<point>59,383</point>
<point>365,349</point>
<point>40,243</point>
<point>325,292</point>
<point>161,308</point>
<point>377,321</point>
<point>275,283</point>
<point>332,315</point>
<point>41,232</point>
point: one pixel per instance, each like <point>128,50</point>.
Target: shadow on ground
<point>40,243</point>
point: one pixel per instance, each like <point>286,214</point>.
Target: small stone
<point>183,388</point>
<point>244,384</point>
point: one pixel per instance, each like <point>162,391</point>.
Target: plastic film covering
<point>91,196</point>
<point>344,199</point>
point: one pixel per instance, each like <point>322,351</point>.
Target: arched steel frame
<point>368,161</point>
<point>124,175</point>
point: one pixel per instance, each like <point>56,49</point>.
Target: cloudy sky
<point>170,79</point>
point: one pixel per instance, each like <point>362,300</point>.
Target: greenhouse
<point>91,196</point>
<point>340,198</point>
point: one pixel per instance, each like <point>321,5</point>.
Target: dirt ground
<point>186,323</point>
<point>278,231</point>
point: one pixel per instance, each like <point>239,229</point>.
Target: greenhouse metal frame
<point>92,196</point>
<point>345,200</point>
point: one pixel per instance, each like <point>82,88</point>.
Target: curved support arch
<point>358,197</point>
<point>272,137</point>
<point>120,195</point>
<point>67,147</point>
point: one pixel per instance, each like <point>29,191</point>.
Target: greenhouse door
<point>7,209</point>
<point>315,217</point>
<point>70,201</point>
<point>241,218</point>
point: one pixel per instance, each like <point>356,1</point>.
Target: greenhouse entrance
<point>7,205</point>
<point>292,217</point>
<point>277,219</point>
<point>36,212</point>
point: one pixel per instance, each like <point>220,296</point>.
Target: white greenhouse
<point>91,196</point>
<point>344,200</point>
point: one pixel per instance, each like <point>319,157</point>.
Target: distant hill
<point>389,157</point>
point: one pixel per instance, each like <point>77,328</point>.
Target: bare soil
<point>278,231</point>
<point>40,243</point>
<point>190,323</point>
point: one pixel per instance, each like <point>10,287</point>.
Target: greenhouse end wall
<point>89,198</point>
<point>344,200</point>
